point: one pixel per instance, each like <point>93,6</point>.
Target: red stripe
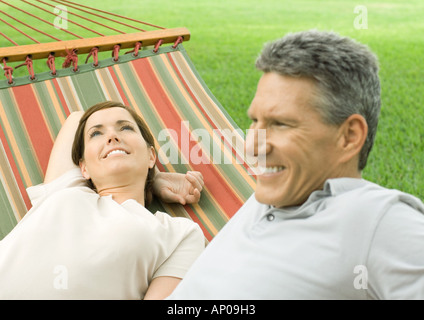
<point>218,187</point>
<point>202,110</point>
<point>118,86</point>
<point>35,124</point>
<point>160,165</point>
<point>197,220</point>
<point>15,170</point>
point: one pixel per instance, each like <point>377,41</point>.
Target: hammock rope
<point>13,42</point>
<point>115,15</point>
<point>51,63</point>
<point>177,42</point>
<point>29,64</point>
<point>8,71</point>
<point>26,25</point>
<point>99,16</point>
<point>115,53</point>
<point>71,58</point>
<point>64,18</point>
<point>93,52</point>
<point>137,47</point>
<point>38,18</point>
<point>93,21</point>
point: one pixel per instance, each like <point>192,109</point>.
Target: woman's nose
<point>113,137</point>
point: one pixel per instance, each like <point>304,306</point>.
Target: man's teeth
<point>270,169</point>
<point>116,151</point>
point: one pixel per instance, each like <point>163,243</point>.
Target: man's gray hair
<point>346,73</point>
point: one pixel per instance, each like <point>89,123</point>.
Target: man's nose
<point>256,142</point>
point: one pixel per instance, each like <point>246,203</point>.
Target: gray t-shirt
<point>351,240</point>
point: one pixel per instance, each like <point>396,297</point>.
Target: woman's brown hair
<point>78,145</point>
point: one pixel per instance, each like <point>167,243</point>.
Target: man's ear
<point>152,157</point>
<point>353,133</point>
<point>84,170</point>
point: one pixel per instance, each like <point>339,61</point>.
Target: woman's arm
<point>60,160</point>
<point>161,287</point>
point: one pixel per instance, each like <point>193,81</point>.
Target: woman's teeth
<point>116,151</point>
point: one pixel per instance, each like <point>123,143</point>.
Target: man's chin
<point>267,198</point>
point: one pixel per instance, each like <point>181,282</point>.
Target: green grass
<point>227,36</point>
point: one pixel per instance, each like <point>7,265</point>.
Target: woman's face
<point>115,153</point>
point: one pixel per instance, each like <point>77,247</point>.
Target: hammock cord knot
<point>29,64</point>
<point>51,63</point>
<point>8,71</point>
<point>71,58</point>
<point>137,47</point>
<point>115,52</point>
<point>93,52</point>
<point>177,42</point>
<point>157,45</point>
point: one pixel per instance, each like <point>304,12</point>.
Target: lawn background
<point>227,36</point>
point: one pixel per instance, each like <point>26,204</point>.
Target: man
<point>314,229</point>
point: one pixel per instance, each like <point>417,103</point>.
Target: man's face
<point>301,150</point>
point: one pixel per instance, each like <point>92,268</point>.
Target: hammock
<point>157,79</point>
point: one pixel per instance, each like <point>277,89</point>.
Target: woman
<point>88,234</point>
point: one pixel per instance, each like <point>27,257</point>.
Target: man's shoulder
<point>367,193</point>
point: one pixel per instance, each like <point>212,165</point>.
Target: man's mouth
<point>269,170</point>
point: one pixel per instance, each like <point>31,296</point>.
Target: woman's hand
<point>178,187</point>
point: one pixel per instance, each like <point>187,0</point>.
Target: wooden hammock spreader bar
<point>107,43</point>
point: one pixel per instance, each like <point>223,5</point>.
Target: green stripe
<point>88,89</point>
<point>7,216</point>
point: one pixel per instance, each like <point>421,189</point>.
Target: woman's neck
<point>123,193</point>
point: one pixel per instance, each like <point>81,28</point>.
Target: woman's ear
<point>84,170</point>
<point>152,157</point>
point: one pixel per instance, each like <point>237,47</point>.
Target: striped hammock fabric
<point>192,130</point>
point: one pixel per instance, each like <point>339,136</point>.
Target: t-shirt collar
<point>332,187</point>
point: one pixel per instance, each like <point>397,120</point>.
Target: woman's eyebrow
<point>97,126</point>
<point>118,122</point>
